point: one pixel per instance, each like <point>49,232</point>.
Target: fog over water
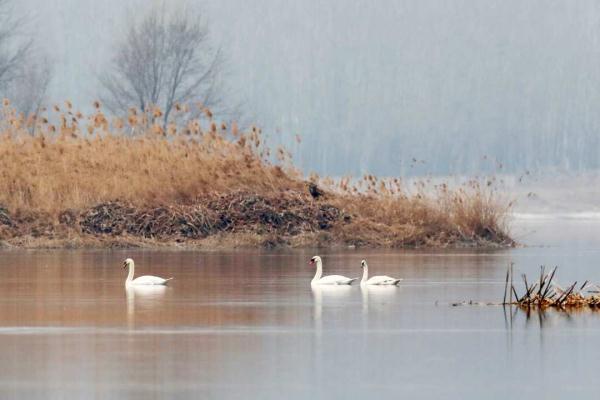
<point>371,85</point>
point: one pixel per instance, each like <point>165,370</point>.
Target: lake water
<point>243,325</point>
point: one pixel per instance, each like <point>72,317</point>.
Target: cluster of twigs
<point>546,292</point>
<point>286,214</point>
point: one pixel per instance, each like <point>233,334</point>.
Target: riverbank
<point>244,219</point>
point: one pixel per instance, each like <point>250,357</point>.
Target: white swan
<point>330,279</point>
<point>142,280</point>
<point>376,280</point>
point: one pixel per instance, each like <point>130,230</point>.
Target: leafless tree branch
<point>164,59</point>
<point>24,74</point>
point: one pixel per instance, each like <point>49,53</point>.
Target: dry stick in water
<point>549,283</point>
<point>542,279</point>
<point>516,296</point>
<point>506,285</point>
<point>527,290</point>
<point>511,283</point>
<point>567,294</point>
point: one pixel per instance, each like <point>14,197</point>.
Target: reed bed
<point>545,292</point>
<point>70,178</point>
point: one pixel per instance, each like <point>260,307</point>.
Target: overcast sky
<point>372,84</point>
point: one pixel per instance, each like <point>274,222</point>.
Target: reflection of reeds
<point>545,293</point>
<point>68,163</point>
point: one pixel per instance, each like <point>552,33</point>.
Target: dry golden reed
<point>63,167</point>
<point>67,161</point>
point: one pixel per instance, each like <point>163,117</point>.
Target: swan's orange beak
<point>124,265</point>
<point>311,262</point>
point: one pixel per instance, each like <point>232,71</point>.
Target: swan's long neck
<point>131,267</point>
<point>365,276</point>
<point>319,272</point>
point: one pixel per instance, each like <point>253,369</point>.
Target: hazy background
<point>370,85</point>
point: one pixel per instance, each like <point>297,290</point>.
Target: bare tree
<point>29,88</point>
<point>24,73</point>
<point>165,59</point>
<point>14,45</point>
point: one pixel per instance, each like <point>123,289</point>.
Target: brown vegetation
<point>546,293</point>
<point>89,181</point>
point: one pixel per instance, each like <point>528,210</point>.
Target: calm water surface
<point>240,325</point>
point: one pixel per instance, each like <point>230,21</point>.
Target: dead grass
<point>545,292</point>
<point>201,182</point>
<point>469,215</point>
<point>69,168</point>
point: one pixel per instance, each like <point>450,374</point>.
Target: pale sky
<point>372,84</point>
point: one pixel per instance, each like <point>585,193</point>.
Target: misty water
<point>237,325</point>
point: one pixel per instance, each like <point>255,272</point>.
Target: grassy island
<point>70,180</point>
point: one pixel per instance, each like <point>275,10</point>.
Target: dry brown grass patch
<point>159,181</point>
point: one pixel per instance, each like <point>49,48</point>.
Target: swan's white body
<point>329,279</point>
<point>142,280</point>
<point>381,280</point>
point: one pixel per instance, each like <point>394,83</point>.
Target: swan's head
<point>315,260</point>
<point>127,263</point>
<point>363,263</point>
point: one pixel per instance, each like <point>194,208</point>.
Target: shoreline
<point>291,219</point>
<point>214,244</point>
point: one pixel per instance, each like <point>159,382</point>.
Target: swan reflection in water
<point>328,294</point>
<point>332,296</point>
<point>144,298</point>
<point>375,294</point>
